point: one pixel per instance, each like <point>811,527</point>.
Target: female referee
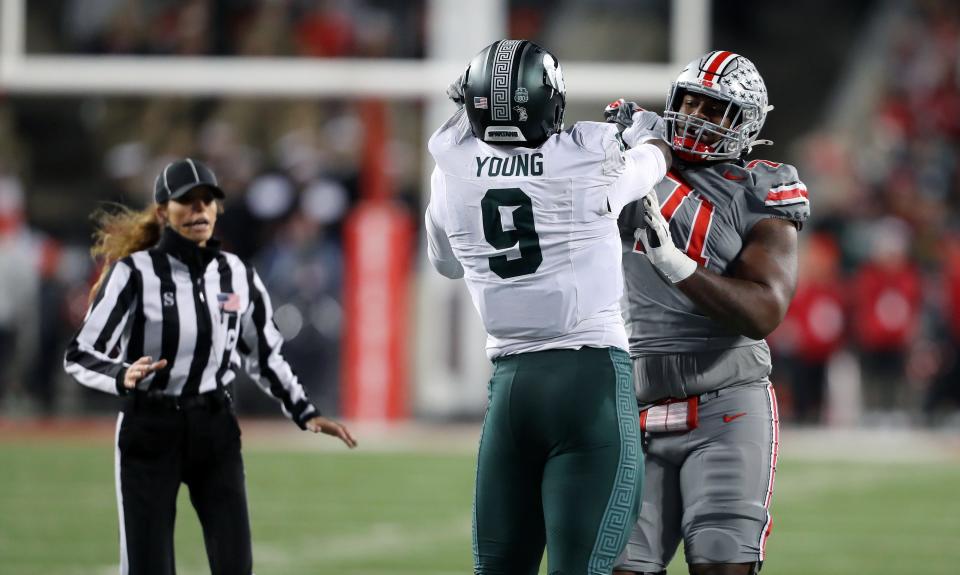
<point>172,317</point>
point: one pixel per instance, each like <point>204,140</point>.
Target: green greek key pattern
<point>621,509</point>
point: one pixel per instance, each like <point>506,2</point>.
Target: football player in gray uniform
<point>710,270</point>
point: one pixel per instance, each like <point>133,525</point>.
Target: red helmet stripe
<point>716,64</point>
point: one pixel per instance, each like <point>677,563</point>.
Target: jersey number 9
<point>524,232</point>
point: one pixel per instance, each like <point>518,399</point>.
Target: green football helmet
<point>514,94</point>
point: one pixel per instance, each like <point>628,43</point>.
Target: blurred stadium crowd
<point>880,268</point>
<point>879,295</point>
<point>291,170</point>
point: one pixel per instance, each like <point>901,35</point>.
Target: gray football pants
<point>709,487</point>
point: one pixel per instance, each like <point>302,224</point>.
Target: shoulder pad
<point>593,136</point>
<point>600,138</point>
<point>777,190</point>
<point>452,132</point>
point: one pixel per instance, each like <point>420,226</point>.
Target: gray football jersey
<point>711,209</point>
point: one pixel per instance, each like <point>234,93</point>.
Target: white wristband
<point>675,265</point>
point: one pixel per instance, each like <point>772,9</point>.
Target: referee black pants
<point>161,445</point>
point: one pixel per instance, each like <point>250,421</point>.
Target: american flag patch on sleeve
<point>229,301</point>
<point>480,102</point>
<point>787,194</point>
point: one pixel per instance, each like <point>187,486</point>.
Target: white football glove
<point>646,126</point>
<point>675,265</point>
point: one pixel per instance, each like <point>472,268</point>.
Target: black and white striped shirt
<point>201,309</point>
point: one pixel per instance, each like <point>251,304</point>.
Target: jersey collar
<point>195,257</point>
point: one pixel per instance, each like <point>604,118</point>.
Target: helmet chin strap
<point>692,152</point>
<point>690,155</point>
<point>757,143</point>
<point>690,142</point>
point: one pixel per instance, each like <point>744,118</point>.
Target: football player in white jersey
<point>710,270</point>
<point>526,213</point>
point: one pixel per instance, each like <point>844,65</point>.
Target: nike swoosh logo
<point>729,418</point>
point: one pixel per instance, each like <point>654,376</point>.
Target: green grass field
<point>408,512</point>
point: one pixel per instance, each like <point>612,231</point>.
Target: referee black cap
<point>180,177</point>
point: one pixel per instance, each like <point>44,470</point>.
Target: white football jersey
<point>533,231</point>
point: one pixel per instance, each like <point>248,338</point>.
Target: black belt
<point>157,400</point>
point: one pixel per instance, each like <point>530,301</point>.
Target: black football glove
<point>635,124</point>
<point>455,91</point>
<point>620,112</point>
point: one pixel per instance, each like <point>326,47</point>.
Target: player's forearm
<point>664,149</point>
<point>747,307</point>
<point>644,166</point>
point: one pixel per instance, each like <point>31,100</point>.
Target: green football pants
<point>559,464</point>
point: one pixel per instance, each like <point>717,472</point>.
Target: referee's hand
<point>321,424</point>
<point>141,369</point>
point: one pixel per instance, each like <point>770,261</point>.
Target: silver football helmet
<point>729,78</point>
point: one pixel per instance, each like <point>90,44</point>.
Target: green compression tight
<point>559,464</point>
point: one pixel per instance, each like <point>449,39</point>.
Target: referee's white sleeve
<point>438,244</point>
<point>88,357</point>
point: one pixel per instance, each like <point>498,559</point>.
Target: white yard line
<point>382,539</point>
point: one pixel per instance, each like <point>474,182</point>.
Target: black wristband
<point>121,375</point>
<point>303,412</point>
